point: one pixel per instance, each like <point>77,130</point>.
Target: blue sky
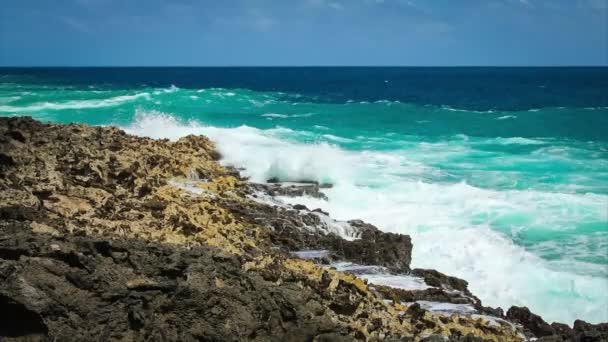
<point>304,32</point>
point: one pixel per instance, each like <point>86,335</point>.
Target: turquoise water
<point>513,199</point>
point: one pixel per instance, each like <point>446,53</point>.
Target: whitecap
<point>75,104</point>
<point>9,99</point>
<point>275,115</point>
<point>518,141</point>
<point>337,138</point>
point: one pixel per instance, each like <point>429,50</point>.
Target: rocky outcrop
<point>110,237</point>
<point>296,228</point>
<point>535,326</point>
<point>275,188</point>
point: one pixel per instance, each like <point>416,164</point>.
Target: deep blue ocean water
<point>499,174</point>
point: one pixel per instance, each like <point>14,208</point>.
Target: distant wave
<point>75,104</point>
<point>518,141</point>
<point>275,115</point>
<point>505,117</point>
<point>452,109</point>
<point>9,99</point>
<point>284,116</point>
<point>337,138</point>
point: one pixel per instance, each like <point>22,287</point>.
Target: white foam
<point>9,99</point>
<point>337,138</point>
<point>505,117</point>
<point>381,276</point>
<point>447,309</point>
<point>275,115</point>
<point>340,228</point>
<point>284,116</point>
<point>75,104</point>
<point>518,141</point>
<point>311,254</point>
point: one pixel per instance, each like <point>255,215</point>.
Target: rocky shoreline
<point>110,237</point>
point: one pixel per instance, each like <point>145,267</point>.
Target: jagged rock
<point>438,279</point>
<point>290,189</point>
<point>534,323</point>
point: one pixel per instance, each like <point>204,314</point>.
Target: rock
<point>289,189</point>
<point>374,247</point>
<point>534,323</point>
<point>300,207</point>
<point>584,331</point>
<point>438,279</point>
<point>434,338</point>
<point>17,320</point>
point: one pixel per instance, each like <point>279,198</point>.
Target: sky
<point>303,32</point>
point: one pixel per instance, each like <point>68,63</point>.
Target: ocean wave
<point>388,102</point>
<point>337,138</point>
<point>452,109</point>
<point>9,99</point>
<point>505,117</point>
<point>75,104</point>
<point>285,116</point>
<point>518,141</point>
<point>275,115</point>
<point>595,108</point>
<point>169,90</point>
<point>457,228</point>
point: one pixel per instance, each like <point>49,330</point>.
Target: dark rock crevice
<point>16,320</point>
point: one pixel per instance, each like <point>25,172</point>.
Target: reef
<point>106,236</point>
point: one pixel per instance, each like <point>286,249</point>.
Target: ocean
<point>500,175</point>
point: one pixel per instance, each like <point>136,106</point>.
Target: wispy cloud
<point>261,22</point>
<point>250,19</point>
<point>335,5</point>
<point>527,3</point>
<point>432,28</point>
<point>601,5</point>
<point>75,24</point>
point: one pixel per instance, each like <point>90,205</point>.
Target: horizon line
<point>307,66</point>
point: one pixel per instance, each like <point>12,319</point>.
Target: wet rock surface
<point>296,227</point>
<point>111,237</point>
<point>535,326</point>
<point>275,188</point>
